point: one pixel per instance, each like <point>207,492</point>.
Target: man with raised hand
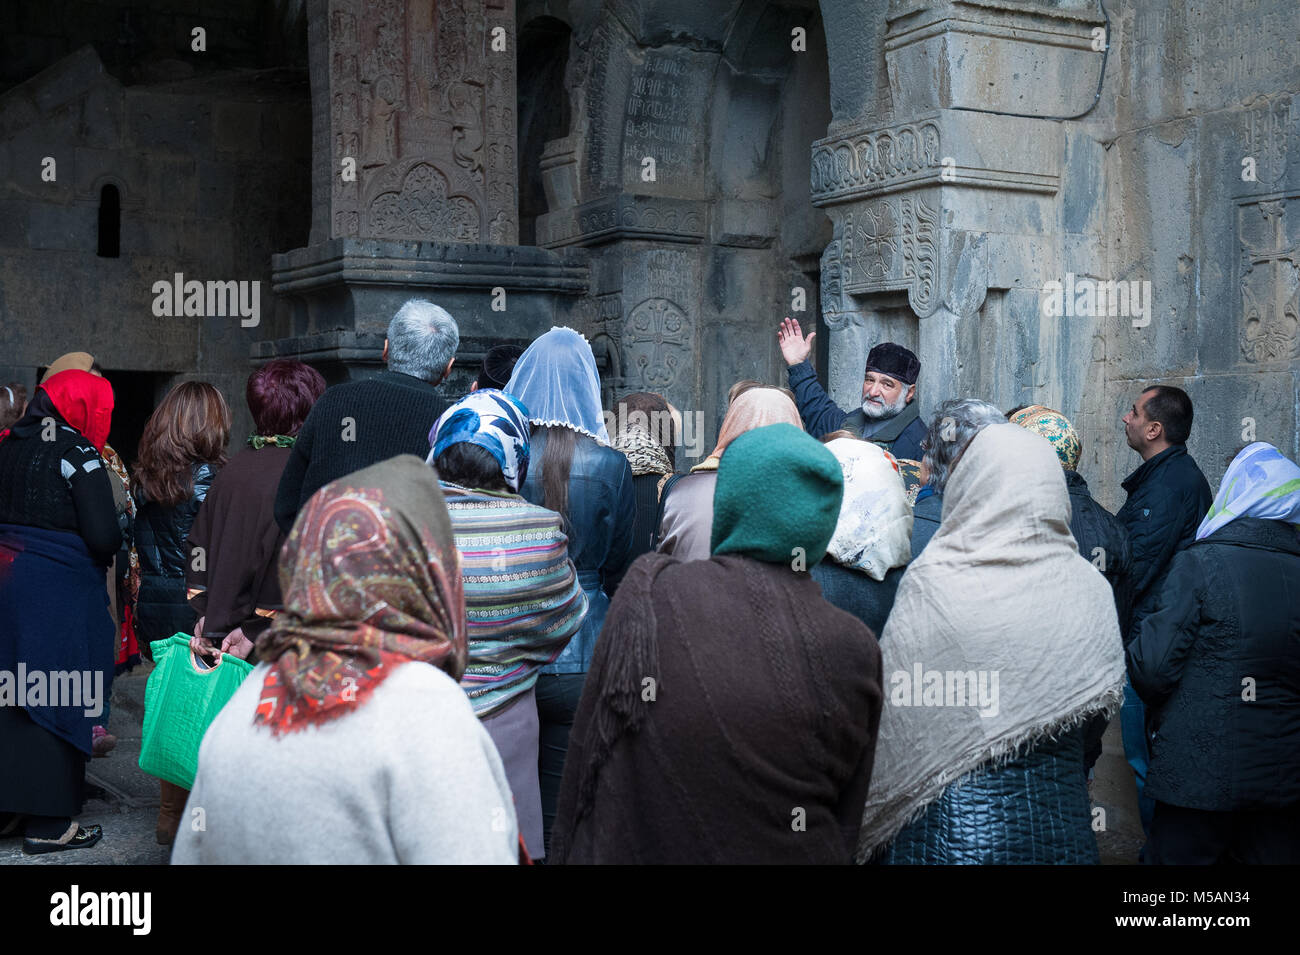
<point>889,415</point>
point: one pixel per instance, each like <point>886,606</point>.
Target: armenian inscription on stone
<point>664,116</point>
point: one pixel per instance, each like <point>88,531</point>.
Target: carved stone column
<point>414,187</point>
<point>940,214</point>
<point>421,96</point>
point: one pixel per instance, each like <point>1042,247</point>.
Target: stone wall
<point>989,150</point>
<point>212,178</point>
<point>684,177</point>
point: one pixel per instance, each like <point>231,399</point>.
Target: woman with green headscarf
<point>730,712</point>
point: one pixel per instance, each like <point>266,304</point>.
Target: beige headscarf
<point>72,361</point>
<point>874,531</point>
<point>752,409</point>
<point>1000,591</point>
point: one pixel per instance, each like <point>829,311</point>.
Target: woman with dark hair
<point>351,742</point>
<point>58,535</point>
<point>522,598</point>
<point>235,589</point>
<point>183,445</point>
<point>579,476</point>
<point>647,435</point>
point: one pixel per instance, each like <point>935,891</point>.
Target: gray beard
<point>883,412</point>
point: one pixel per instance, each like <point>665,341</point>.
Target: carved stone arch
<point>128,198</point>
<point>612,382</point>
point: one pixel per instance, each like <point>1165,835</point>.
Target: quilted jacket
<point>160,532</point>
<point>1032,810</point>
<point>1218,665</point>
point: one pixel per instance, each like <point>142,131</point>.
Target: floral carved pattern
<point>875,159</point>
<point>659,335</point>
<point>422,209</point>
<point>891,245</point>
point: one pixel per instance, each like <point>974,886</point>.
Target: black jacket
<point>1168,497</point>
<point>160,531</point>
<point>354,425</point>
<point>1102,539</point>
<point>59,484</point>
<point>1218,665</point>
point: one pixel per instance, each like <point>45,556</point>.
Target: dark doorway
<point>110,222</point>
<point>543,111</point>
<point>135,395</point>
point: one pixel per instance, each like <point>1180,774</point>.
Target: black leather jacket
<point>160,532</point>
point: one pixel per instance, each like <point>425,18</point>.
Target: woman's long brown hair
<point>556,463</point>
<point>191,426</point>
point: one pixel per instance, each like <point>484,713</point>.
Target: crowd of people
<point>490,630</point>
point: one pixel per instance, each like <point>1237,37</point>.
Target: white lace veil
<point>557,381</point>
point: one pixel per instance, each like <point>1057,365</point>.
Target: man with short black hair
<point>1167,498</point>
<point>359,423</point>
<point>889,415</point>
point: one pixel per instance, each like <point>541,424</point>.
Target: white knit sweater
<point>410,777</point>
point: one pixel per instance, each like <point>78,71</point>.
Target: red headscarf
<point>83,400</point>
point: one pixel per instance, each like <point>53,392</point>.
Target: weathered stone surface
<point>421,99</point>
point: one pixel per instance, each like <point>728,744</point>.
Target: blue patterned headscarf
<point>556,378</point>
<point>492,420</point>
<point>1260,482</point>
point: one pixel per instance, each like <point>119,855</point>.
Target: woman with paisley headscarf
<point>576,473</point>
<point>352,741</point>
<point>58,535</point>
<point>522,598</point>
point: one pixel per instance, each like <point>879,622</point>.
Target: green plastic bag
<point>181,699</point>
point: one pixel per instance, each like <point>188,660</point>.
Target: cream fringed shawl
<point>1000,590</point>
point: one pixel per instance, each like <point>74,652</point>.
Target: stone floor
<point>123,799</point>
<point>126,800</point>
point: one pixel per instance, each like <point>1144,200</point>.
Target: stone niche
<point>414,187</point>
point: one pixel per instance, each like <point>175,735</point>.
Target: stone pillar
<point>421,96</point>
<point>414,188</point>
<point>946,216</point>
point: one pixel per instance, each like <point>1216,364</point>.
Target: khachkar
<point>415,110</point>
<point>945,189</point>
<point>414,187</point>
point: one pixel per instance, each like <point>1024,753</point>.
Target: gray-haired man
<point>360,423</point>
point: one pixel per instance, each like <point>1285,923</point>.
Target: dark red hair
<point>280,394</point>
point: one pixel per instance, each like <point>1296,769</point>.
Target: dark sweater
<point>236,527</point>
<point>1167,499</point>
<point>389,414</point>
<point>59,484</point>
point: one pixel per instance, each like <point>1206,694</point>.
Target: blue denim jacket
<point>602,511</point>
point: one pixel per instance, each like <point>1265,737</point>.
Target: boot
<point>171,805</point>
